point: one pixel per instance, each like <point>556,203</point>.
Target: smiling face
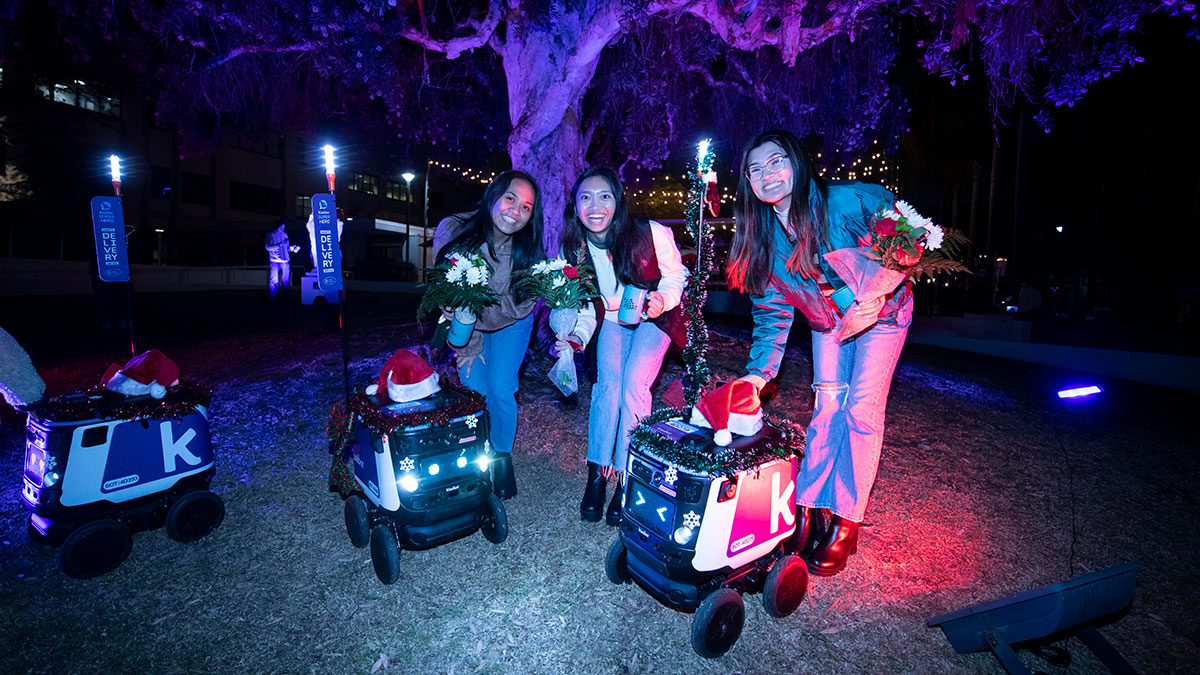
<point>512,210</point>
<point>595,203</point>
<point>769,171</point>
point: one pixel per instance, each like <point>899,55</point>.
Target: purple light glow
<point>1080,391</point>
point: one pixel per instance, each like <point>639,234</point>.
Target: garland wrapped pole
<point>695,354</point>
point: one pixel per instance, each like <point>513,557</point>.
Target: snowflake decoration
<point>51,462</point>
<point>691,519</point>
<point>472,422</point>
<point>407,464</point>
<point>671,475</point>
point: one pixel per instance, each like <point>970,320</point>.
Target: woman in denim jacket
<point>787,219</point>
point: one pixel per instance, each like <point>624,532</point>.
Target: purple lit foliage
<point>1047,52</point>
<point>557,80</point>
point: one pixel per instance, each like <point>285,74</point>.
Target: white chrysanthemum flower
<point>935,237</point>
<point>540,267</point>
<point>475,276</point>
<point>454,274</point>
<point>559,282</point>
<point>557,264</point>
<point>914,219</point>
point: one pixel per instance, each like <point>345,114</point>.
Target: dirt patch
<point>981,480</point>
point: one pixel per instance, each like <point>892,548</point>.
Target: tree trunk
<point>547,75</point>
<point>554,160</point>
<point>974,212</point>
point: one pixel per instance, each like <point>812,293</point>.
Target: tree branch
<point>454,47</point>
<point>259,49</point>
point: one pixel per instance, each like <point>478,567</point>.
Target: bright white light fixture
<point>328,158</point>
<point>114,167</point>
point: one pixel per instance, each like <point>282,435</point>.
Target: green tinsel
<point>787,440</point>
<point>99,403</point>
<point>694,355</point>
<point>366,411</point>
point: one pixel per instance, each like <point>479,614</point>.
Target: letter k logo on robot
<point>176,449</point>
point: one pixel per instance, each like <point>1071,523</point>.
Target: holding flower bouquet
<point>462,283</point>
<point>904,245</point>
<point>565,288</point>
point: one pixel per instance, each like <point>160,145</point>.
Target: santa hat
<point>732,408</point>
<point>406,377</point>
<point>150,372</point>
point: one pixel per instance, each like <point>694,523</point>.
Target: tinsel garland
<point>788,440</point>
<point>340,426</point>
<point>694,354</point>
<point>99,403</point>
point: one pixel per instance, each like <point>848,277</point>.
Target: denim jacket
<point>850,208</point>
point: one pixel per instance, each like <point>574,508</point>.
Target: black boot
<point>504,483</point>
<point>593,494</point>
<point>809,528</point>
<point>613,515</point>
<point>838,543</point>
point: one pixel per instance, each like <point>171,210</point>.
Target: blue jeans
<point>496,378</point>
<point>845,436</point>
<point>280,276</point>
<point>627,361</point>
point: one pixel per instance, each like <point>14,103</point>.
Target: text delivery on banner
<point>325,234</point>
<point>108,224</point>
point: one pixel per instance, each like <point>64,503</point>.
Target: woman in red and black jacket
<point>624,251</point>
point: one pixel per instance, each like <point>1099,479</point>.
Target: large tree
<point>551,80</point>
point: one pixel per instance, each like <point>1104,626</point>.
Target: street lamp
<point>114,170</point>
<point>407,176</point>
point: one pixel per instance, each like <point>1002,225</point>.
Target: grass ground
<point>986,488</point>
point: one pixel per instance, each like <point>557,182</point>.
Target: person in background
<point>279,274</point>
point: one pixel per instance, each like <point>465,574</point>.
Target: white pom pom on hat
<point>732,408</point>
<point>405,377</point>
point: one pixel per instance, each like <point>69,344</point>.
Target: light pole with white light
<point>407,176</point>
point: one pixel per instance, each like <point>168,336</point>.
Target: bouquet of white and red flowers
<point>904,245</point>
<point>461,283</point>
<point>905,241</point>
<point>564,287</point>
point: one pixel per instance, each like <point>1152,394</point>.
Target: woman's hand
<point>654,304</point>
<point>563,343</point>
<point>447,313</point>
<point>869,308</point>
<point>757,380</point>
<point>465,363</point>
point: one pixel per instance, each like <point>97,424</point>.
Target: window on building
<point>196,188</point>
<point>303,206</point>
<point>160,182</point>
<point>253,198</point>
<point>393,190</point>
<point>363,182</point>
<point>267,146</point>
<point>89,95</point>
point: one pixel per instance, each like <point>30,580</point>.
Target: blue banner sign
<point>325,236</point>
<point>108,224</point>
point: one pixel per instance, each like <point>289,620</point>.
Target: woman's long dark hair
<point>478,228</point>
<point>620,237</point>
<point>748,267</point>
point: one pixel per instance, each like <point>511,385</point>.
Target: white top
<point>671,285</point>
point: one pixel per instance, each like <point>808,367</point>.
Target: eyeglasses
<point>774,164</point>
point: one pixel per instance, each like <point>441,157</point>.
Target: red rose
<point>905,258</point>
<point>570,272</point>
<point>885,227</point>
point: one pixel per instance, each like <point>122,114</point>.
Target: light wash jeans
<point>627,361</point>
<point>845,436</point>
<point>496,378</point>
